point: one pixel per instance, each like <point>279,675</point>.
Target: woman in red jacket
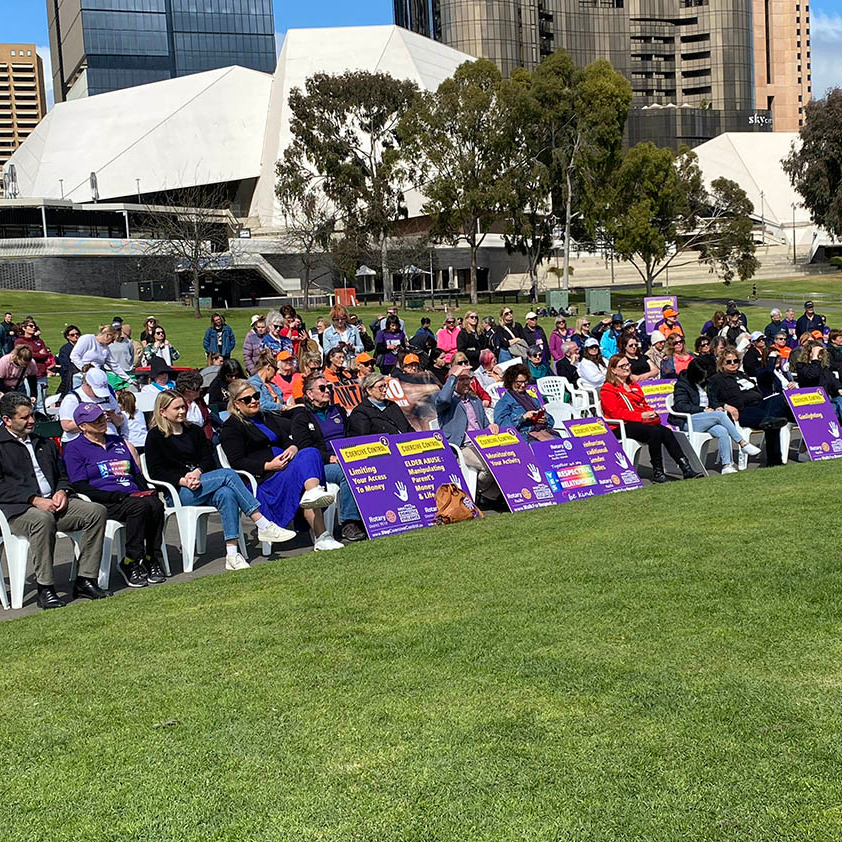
<point>623,400</point>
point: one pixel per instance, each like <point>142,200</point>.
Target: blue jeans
<point>223,489</point>
<point>347,506</point>
<point>719,424</point>
<point>837,405</point>
<point>504,355</point>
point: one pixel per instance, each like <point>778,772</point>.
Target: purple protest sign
<point>515,469</point>
<point>656,393</point>
<point>567,469</point>
<point>653,309</point>
<point>817,420</point>
<point>611,466</point>
<point>394,478</point>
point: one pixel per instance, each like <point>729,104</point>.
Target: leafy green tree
<point>662,215</point>
<point>815,165</point>
<point>458,151</point>
<point>345,128</point>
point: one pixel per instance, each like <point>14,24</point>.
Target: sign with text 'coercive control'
<point>610,465</point>
<point>653,310</point>
<point>817,421</point>
<point>394,478</point>
<point>656,393</point>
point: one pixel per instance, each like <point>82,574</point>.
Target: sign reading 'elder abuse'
<point>817,421</point>
<point>612,468</point>
<point>394,478</point>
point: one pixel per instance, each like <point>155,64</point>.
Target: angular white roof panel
<point>192,130</point>
<point>388,49</point>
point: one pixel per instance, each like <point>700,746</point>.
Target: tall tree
<point>814,165</point>
<point>461,156</point>
<point>345,128</point>
<point>663,216</point>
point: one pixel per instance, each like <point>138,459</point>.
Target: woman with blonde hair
<point>179,453</point>
<point>288,478</point>
<point>18,369</point>
<point>341,334</point>
<point>469,340</point>
<point>582,331</point>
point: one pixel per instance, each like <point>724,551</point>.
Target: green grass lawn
<point>660,665</point>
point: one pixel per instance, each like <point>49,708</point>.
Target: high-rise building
<point>105,45</point>
<point>689,62</point>
<point>782,67</point>
<point>22,101</point>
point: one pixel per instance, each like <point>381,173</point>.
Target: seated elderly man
<point>34,498</point>
<point>460,410</point>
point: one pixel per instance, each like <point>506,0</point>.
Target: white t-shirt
<point>71,401</point>
<point>134,429</point>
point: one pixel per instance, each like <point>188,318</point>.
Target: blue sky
<point>26,21</point>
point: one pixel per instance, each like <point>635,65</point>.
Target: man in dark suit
<point>34,498</point>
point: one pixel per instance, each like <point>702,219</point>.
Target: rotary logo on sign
<point>391,516</point>
<point>615,479</point>
<point>825,447</point>
<point>527,494</point>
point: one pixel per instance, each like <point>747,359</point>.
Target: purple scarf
<point>525,400</point>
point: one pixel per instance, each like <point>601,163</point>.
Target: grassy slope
<point>659,665</point>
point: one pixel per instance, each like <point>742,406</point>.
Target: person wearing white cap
<point>592,367</point>
<point>753,357</point>
<point>94,389</point>
<point>656,352</point>
<point>534,334</point>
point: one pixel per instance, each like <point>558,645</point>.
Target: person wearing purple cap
<point>105,468</point>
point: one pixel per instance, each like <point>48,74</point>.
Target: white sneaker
<point>316,498</point>
<point>275,535</point>
<point>742,460</point>
<point>728,469</point>
<point>750,449</point>
<point>236,562</point>
<point>326,541</point>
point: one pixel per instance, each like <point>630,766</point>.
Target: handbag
<point>517,346</point>
<point>453,505</point>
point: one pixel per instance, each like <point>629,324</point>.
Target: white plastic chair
<point>17,553</point>
<point>469,474</point>
<point>146,401</point>
<point>561,412</point>
<point>329,513</point>
<point>192,522</point>
<point>786,440</point>
<point>699,441</point>
<point>631,447</point>
<point>553,388</point>
<point>495,391</point>
<point>113,547</point>
<point>51,404</point>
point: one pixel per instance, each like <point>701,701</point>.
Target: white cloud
<point>826,45</point>
<point>44,52</point>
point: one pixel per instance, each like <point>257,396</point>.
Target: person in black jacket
<point>36,498</point>
<point>566,366</point>
<point>375,414</point>
<point>229,371</point>
<point>739,396</point>
<point>813,369</point>
<point>691,398</point>
<point>753,357</point>
<point>834,350</point>
<point>469,340</point>
<point>810,321</point>
<point>317,423</point>
<point>180,454</point>
<point>288,478</point>
<point>505,334</point>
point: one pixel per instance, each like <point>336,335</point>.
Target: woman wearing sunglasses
<point>288,478</point>
<point>677,357</point>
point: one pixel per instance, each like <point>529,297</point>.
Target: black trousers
<point>144,519</point>
<point>656,437</point>
<point>755,414</point>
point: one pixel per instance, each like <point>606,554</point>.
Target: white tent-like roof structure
<point>387,49</point>
<point>193,130</point>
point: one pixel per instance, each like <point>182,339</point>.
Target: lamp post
<point>61,185</point>
<point>762,217</point>
<point>794,261</point>
<point>138,190</point>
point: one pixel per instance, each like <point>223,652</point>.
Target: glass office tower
<point>105,45</point>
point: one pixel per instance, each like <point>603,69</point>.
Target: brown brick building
<point>22,100</point>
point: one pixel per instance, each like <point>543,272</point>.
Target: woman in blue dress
<point>288,478</point>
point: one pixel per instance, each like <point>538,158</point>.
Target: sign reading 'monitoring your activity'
<point>817,421</point>
<point>394,478</point>
<point>653,310</point>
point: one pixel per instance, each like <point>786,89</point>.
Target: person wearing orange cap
<point>364,364</point>
<point>286,372</point>
<point>670,325</point>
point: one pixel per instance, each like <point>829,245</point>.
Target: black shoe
<point>772,424</point>
<point>154,572</point>
<point>48,598</point>
<point>133,572</point>
<point>88,589</point>
<point>351,531</point>
<point>686,471</point>
<point>658,474</point>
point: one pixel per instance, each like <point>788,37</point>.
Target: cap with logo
<point>87,413</point>
<point>409,358</point>
<point>97,380</point>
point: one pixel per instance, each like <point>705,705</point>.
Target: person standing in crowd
<point>533,334</point>
<point>137,348</point>
<point>287,478</point>
<point>180,454</point>
<point>677,357</point>
<point>567,366</point>
<point>690,398</point>
<point>95,349</point>
<point>592,366</point>
<point>375,414</point>
<point>292,329</point>
<point>148,333</point>
<point>122,348</point>
<point>508,336</point>
<point>470,341</point>
<point>18,372</point>
<point>834,351</point>
<point>582,332</point>
<point>34,497</point>
<point>94,389</point>
<point>460,411</point>
<point>7,334</point>
<point>389,340</point>
<point>517,408</point>
<point>159,346</point>
<point>219,338</point>
<point>253,343</point>
<point>737,394</point>
<point>134,427</point>
<point>365,338</point>
<point>642,367</point>
<point>670,324</point>
<point>714,325</point>
<point>379,323</point>
<point>271,396</point>
<point>105,469</point>
<point>447,336</point>
<point>790,325</point>
<point>558,337</point>
<point>229,371</point>
<point>65,366</point>
<point>420,337</point>
<point>315,424</point>
<point>28,335</point>
<point>810,321</point>
<point>624,401</point>
<point>273,339</point>
<point>488,329</point>
<point>774,326</point>
<point>608,343</point>
<point>342,335</point>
